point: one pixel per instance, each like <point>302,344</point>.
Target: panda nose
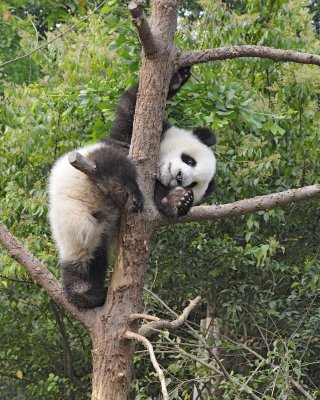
<point>179,178</point>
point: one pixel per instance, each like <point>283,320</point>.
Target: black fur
<point>117,177</point>
<point>121,129</point>
<point>206,135</point>
<point>83,281</point>
<point>211,187</point>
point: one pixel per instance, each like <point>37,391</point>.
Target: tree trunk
<point>112,354</point>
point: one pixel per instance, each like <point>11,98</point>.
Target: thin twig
<point>53,39</point>
<point>296,384</point>
<point>230,378</point>
<point>222,370</point>
<point>135,336</point>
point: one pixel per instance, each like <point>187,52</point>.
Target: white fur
<point>73,199</point>
<point>174,143</point>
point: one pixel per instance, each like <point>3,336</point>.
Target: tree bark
<point>112,354</point>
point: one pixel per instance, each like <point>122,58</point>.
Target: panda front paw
<point>177,202</point>
<point>178,80</point>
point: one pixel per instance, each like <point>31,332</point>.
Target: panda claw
<point>136,204</point>
<point>185,203</point>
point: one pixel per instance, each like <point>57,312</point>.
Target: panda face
<point>185,161</point>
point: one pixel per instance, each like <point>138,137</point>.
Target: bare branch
<point>135,336</point>
<point>225,53</point>
<point>152,327</point>
<point>148,42</point>
<point>301,389</point>
<point>241,207</point>
<point>134,317</point>
<point>82,163</point>
<point>39,272</point>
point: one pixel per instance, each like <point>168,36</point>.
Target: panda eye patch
<point>188,160</point>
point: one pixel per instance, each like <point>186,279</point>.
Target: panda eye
<point>188,160</point>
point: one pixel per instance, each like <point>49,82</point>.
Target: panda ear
<point>206,135</point>
<point>211,187</point>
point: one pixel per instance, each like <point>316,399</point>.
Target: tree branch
<point>147,40</point>
<point>133,317</point>
<point>135,336</point>
<point>225,53</point>
<point>82,164</point>
<point>148,329</point>
<point>39,273</point>
<point>241,207</point>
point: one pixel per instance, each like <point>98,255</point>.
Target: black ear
<point>206,135</point>
<point>178,80</point>
<point>211,187</point>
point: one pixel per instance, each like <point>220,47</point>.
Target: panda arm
<point>121,129</point>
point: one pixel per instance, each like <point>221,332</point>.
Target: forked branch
<point>151,328</point>
<point>135,336</point>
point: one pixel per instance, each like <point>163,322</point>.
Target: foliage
<point>83,74</point>
<point>23,26</point>
<point>258,274</point>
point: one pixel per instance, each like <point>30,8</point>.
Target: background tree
<point>260,274</point>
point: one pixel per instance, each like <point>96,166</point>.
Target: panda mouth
<point>167,178</point>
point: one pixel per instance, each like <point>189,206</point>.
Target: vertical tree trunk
<point>112,355</point>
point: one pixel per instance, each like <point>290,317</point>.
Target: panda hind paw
<point>135,203</point>
<point>185,203</point>
<point>177,202</point>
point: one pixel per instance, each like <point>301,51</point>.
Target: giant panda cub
<point>84,216</point>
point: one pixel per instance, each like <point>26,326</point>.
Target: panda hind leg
<point>83,280</point>
<point>118,178</point>
<point>125,192</point>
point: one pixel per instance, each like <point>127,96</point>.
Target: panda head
<point>186,160</point>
